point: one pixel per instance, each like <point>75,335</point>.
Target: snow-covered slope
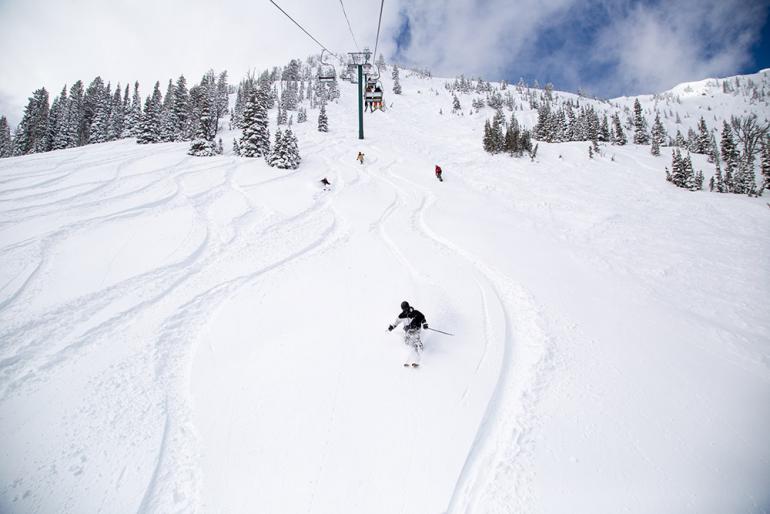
<point>182,334</point>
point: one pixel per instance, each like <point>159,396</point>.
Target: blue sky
<point>605,47</point>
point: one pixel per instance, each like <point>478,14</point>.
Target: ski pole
<point>447,333</point>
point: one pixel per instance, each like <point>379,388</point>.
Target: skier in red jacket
<point>438,173</point>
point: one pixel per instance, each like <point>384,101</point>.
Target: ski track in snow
<point>109,344</point>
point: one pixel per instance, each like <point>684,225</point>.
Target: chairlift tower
<point>360,60</point>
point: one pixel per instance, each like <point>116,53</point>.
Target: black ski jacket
<point>411,318</point>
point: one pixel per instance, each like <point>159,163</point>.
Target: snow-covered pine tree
<point>488,142</point>
<point>711,147</point>
<point>117,116</point>
<point>31,134</point>
<point>289,97</point>
<point>334,89</point>
<point>604,130</point>
<point>222,96</point>
<point>703,138</point>
<point>658,136</point>
<point>456,107</point>
<point>93,102</point>
<point>6,148</point>
<point>291,149</point>
<point>167,121</point>
<point>134,115</point>
<point>126,109</point>
<point>323,121</point>
<point>680,172</point>
<point>542,130</point>
<point>102,106</point>
<point>75,123</point>
<point>56,118</point>
<point>729,154</point>
<point>149,131</point>
<point>181,110</point>
<point>255,141</point>
<point>719,183</point>
<point>396,80</point>
<point>497,132</point>
<point>764,163</point>
<point>640,125</point>
<point>203,145</point>
<point>277,158</point>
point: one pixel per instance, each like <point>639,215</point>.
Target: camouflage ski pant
<point>412,338</point>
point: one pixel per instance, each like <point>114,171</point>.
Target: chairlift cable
<point>377,41</point>
<point>349,27</point>
<point>302,28</point>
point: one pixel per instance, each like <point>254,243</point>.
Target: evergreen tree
<point>679,140</point>
<point>255,141</point>
<point>277,158</point>
<point>181,108</point>
<point>75,125</point>
<point>59,134</point>
<point>134,115</point>
<point>101,103</point>
<point>488,142</point>
<point>456,107</point>
<point>167,115</point>
<point>718,181</point>
<point>541,130</point>
<point>291,150</point>
<point>57,119</point>
<point>498,136</point>
<point>681,170</point>
<point>396,82</point>
<point>604,131</point>
<point>149,131</point>
<point>323,122</point>
<point>117,115</point>
<point>93,102</point>
<point>703,138</point>
<point>203,145</point>
<point>6,148</point>
<point>32,133</point>
<point>658,136</point>
<point>619,136</point>
<point>729,154</point>
<point>222,96</point>
<point>640,125</point>
<point>764,164</point>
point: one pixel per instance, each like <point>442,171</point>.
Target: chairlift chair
<point>373,93</point>
<point>326,71</point>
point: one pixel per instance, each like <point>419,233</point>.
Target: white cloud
<point>49,43</point>
<point>654,49</point>
<point>608,46</point>
<point>640,48</point>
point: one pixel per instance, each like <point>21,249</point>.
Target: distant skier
<point>360,157</point>
<point>326,184</point>
<point>438,173</point>
<point>413,321</point>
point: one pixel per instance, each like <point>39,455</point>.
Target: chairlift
<point>326,72</point>
<point>373,93</point>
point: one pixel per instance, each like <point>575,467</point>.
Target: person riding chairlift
<point>368,99</point>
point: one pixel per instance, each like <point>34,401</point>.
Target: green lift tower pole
<point>360,102</point>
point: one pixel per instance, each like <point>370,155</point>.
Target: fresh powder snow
<point>209,334</point>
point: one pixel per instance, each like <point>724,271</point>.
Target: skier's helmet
<point>404,305</point>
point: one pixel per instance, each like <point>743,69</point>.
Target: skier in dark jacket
<point>413,321</point>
